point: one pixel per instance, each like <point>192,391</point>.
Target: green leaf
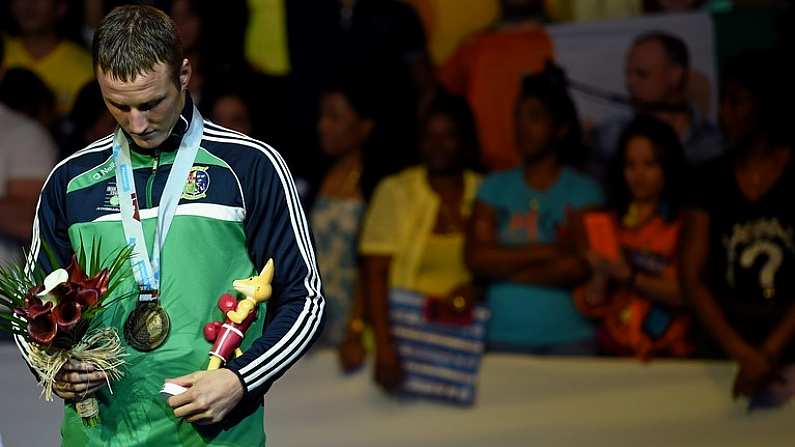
<point>122,297</point>
<point>94,257</point>
<point>13,319</point>
<point>81,255</point>
<point>14,284</point>
<point>15,331</point>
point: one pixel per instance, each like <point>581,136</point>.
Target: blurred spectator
<point>673,5</point>
<point>248,102</point>
<point>27,154</point>
<point>230,109</point>
<point>574,10</point>
<point>487,69</point>
<point>739,253</point>
<point>413,234</point>
<point>377,40</point>
<point>189,19</point>
<point>518,237</point>
<point>26,93</point>
<point>63,65</point>
<point>634,289</point>
<point>447,22</point>
<point>266,37</point>
<point>345,129</point>
<point>657,76</point>
<point>89,120</point>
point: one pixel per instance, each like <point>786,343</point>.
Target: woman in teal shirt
<point>517,239</point>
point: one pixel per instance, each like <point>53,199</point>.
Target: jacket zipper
<point>151,180</point>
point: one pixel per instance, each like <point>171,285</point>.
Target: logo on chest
<point>110,201</point>
<point>197,184</point>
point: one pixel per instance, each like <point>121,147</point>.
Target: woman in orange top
<point>631,248</point>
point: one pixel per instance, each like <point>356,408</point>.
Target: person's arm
<point>781,336</point>
<point>18,208</point>
<point>659,288</point>
<point>375,271</point>
<point>487,259</point>
<point>277,229</point>
<point>694,256</point>
<point>375,278</point>
<point>565,270</point>
<point>694,253</point>
<point>50,228</point>
<point>380,241</point>
<point>351,352</point>
<point>664,289</point>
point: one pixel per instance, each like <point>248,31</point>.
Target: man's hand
<point>77,380</point>
<point>211,395</point>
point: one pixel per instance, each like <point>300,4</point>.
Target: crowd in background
<point>442,153</point>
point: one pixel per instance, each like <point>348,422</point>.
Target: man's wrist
<point>241,382</point>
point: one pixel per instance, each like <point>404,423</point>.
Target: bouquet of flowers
<point>56,315</point>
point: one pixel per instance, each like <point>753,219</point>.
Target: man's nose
<point>137,122</point>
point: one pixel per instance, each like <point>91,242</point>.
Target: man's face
<point>148,106</point>
<point>650,75</point>
<point>36,16</point>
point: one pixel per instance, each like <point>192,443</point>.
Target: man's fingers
<point>77,377</point>
<point>93,389</point>
<point>83,386</point>
<point>186,381</point>
<point>75,365</point>
<point>190,409</point>
<point>181,399</point>
<point>203,418</point>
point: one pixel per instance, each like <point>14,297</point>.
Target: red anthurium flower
<point>36,310</point>
<point>87,297</point>
<point>31,298</point>
<point>67,314</point>
<point>69,291</point>
<point>42,326</point>
<point>76,274</point>
<point>98,282</point>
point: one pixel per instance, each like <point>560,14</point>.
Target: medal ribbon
<point>145,268</point>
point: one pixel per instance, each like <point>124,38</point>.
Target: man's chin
<point>148,143</point>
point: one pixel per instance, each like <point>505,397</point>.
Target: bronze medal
<point>147,326</point>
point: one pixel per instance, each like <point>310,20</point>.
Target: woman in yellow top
<point>64,66</point>
<point>413,233</point>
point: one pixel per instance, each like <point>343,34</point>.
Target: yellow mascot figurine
<point>228,336</point>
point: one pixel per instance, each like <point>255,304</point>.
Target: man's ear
<point>185,72</point>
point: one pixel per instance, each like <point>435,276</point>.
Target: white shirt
<point>26,152</point>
